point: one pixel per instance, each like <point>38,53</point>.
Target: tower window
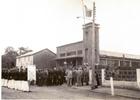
<point>86,35</point>
<point>86,54</point>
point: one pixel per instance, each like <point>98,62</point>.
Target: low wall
<point>15,84</point>
<point>122,84</point>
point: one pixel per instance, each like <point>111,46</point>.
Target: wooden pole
<point>94,82</point>
<point>112,86</point>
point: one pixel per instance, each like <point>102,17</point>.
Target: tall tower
<point>91,45</point>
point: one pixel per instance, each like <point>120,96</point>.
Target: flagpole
<point>83,11</point>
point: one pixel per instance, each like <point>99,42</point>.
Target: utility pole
<point>93,52</point>
<point>91,45</point>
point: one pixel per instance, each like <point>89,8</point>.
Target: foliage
<point>9,58</point>
<point>23,50</point>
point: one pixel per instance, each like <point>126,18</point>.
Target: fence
<point>129,82</point>
<point>122,74</point>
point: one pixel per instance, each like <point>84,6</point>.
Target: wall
<point>44,59</point>
<point>69,48</point>
<point>24,61</point>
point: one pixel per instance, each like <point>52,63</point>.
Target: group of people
<point>72,75</point>
<point>50,77</point>
<point>14,74</point>
<point>77,76</point>
<point>80,76</point>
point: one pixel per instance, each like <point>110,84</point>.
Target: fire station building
<point>78,53</point>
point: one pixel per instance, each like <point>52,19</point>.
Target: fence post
<point>112,86</point>
<point>138,77</point>
<point>103,75</point>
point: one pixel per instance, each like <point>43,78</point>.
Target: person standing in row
<point>79,76</point>
<point>74,76</point>
<point>85,76</point>
<point>69,77</point>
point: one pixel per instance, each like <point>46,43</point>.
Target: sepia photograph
<point>70,49</point>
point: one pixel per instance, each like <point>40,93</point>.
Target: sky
<point>40,24</point>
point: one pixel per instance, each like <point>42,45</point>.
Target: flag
<point>88,12</point>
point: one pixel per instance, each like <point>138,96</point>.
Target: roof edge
<point>69,44</point>
<point>34,53</point>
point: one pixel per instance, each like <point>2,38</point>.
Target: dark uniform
<point>74,77</point>
<point>86,76</point>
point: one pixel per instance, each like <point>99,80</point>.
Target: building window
<point>125,63</point>
<point>62,54</point>
<point>71,53</point>
<point>116,62</point>
<point>79,52</point>
<point>110,62</point>
<point>103,61</point>
<point>135,64</point>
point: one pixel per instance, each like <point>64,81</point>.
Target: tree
<point>9,58</point>
<point>9,50</point>
<point>23,50</point>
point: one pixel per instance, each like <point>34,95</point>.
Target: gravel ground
<point>58,93</point>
